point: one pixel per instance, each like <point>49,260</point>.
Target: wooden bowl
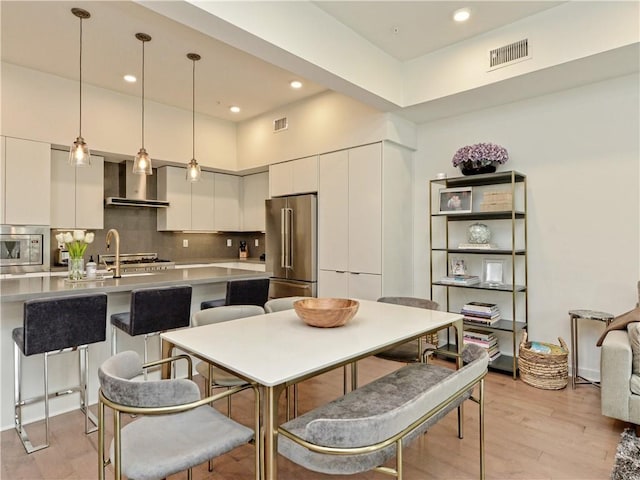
<point>326,312</point>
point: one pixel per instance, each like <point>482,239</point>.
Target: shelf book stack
<point>486,340</point>
<point>481,313</point>
<point>461,280</point>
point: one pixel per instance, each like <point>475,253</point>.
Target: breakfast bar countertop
<point>26,288</point>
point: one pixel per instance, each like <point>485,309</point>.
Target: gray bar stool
<point>153,311</point>
<point>242,292</point>
<point>52,326</point>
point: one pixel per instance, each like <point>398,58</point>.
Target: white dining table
<point>276,350</point>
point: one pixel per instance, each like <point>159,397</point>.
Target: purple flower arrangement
<point>480,155</point>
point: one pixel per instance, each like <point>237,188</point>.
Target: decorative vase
<point>471,168</point>
<point>478,233</point>
<point>76,268</point>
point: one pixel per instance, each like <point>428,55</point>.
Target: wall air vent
<point>509,54</point>
<point>280,124</point>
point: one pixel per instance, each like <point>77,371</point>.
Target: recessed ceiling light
<point>296,84</point>
<point>461,15</point>
<point>130,78</point>
<point>234,109</point>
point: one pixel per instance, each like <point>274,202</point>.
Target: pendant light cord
<point>143,93</point>
<point>193,112</point>
<point>80,85</point>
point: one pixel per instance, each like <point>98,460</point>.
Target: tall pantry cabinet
<point>365,222</point>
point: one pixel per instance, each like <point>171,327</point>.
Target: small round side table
<point>575,315</point>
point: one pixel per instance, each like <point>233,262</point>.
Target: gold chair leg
<point>481,429</point>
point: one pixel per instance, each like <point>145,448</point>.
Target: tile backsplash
<point>138,234</point>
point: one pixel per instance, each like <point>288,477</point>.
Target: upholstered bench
<point>368,426</point>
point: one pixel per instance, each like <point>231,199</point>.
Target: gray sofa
<point>616,371</point>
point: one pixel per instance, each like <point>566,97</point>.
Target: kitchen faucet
<point>116,235</point>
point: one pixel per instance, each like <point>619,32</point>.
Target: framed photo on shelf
<point>455,200</point>
<point>493,271</point>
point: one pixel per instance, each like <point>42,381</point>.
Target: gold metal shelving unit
<point>516,277</point>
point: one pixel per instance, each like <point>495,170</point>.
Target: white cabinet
<point>255,190</point>
<point>227,202</point>
<point>364,222</point>
<point>191,204</point>
<point>26,178</point>
<point>294,177</point>
<point>341,284</point>
<point>77,193</point>
<point>203,202</point>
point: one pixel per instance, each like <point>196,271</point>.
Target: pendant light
<point>79,154</point>
<point>193,169</point>
<point>142,161</point>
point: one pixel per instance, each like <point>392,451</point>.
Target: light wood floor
<point>530,434</point>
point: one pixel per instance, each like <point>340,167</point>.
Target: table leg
<point>269,399</point>
<point>574,351</point>
<point>167,347</point>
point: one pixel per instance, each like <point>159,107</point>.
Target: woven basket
<point>548,371</point>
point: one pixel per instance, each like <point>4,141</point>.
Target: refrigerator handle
<point>288,237</point>
<point>283,235</point>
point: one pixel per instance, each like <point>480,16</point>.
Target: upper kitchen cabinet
<point>76,193</point>
<point>25,171</point>
<point>364,222</point>
<point>255,190</point>
<point>294,177</point>
<point>191,204</point>
<point>227,202</point>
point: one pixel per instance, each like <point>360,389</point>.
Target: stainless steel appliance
<point>24,248</point>
<point>136,262</point>
<point>291,245</point>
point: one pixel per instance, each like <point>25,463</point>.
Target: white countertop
<point>24,288</point>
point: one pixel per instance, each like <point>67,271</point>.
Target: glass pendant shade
<point>79,155</point>
<point>193,171</point>
<point>142,163</point>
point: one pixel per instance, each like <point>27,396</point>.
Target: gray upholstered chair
<point>213,376</point>
<point>153,311</point>
<point>279,304</point>
<point>174,430</point>
<point>242,292</point>
<point>52,326</point>
<point>409,352</point>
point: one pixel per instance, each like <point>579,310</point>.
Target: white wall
<point>44,107</point>
<point>561,34</point>
<point>325,122</point>
<point>580,151</point>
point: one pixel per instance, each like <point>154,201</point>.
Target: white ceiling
<point>407,30</point>
<point>225,76</point>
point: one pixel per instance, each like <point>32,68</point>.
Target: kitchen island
<point>208,283</point>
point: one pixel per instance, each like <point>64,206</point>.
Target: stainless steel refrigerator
<point>291,245</point>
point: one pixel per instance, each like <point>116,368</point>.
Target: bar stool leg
<point>83,353</point>
<point>146,356</point>
<point>114,339</point>
<point>19,402</point>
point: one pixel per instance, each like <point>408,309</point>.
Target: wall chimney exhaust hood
<point>133,189</point>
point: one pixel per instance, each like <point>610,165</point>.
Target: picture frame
<point>493,271</point>
<point>455,200</point>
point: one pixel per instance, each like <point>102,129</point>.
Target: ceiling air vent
<point>512,53</point>
<point>280,124</point>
